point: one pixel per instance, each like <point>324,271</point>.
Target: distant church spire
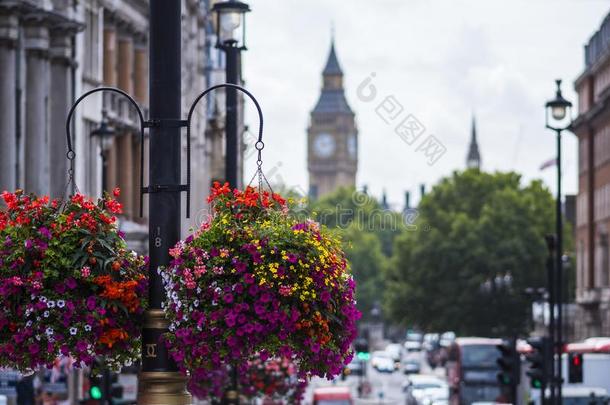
<point>473,160</point>
<point>384,201</point>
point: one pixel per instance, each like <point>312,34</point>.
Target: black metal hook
<point>259,145</point>
<point>71,154</point>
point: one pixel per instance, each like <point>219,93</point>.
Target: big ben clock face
<point>352,146</point>
<point>324,145</point>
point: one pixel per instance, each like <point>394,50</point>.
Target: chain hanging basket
<point>254,280</point>
<point>68,284</point>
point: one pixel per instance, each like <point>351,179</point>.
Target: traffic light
<point>575,366</point>
<point>105,387</point>
<point>96,386</point>
<point>539,360</point>
<point>361,347</point>
<point>509,362</point>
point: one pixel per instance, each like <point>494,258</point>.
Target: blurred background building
<point>592,127</point>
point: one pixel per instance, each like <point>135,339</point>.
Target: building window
<point>603,242</point>
<point>91,45</point>
<point>582,155</point>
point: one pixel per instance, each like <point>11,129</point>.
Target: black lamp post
<point>104,133</point>
<point>160,382</point>
<point>231,38</point>
<point>558,118</point>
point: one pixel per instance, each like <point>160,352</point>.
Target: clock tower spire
<point>332,137</point>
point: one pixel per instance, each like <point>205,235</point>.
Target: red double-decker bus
<point>472,371</point>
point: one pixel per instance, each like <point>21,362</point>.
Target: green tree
<point>472,227</point>
<point>368,232</point>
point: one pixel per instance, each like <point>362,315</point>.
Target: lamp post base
<point>163,388</point>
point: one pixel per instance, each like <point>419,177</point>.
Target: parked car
<point>413,346</point>
<point>379,354</point>
<point>431,341</point>
<point>413,341</point>
<point>447,339</point>
<point>418,386</point>
<point>434,395</point>
<point>395,350</point>
<point>385,365</point>
<point>332,396</point>
<point>411,365</point>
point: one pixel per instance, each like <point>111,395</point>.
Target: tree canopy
<point>368,231</point>
<point>473,228</point>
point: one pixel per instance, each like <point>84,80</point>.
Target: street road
<point>386,387</point>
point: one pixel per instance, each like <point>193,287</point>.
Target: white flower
<point>28,312</point>
<point>199,290</point>
<point>49,331</point>
<point>45,314</point>
<point>50,304</point>
<point>61,303</point>
<point>172,327</point>
<point>42,298</point>
<point>73,331</point>
<point>88,328</point>
<point>196,303</point>
<point>174,295</point>
<point>128,362</point>
<point>28,323</point>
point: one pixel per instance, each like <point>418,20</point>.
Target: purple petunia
<point>91,303</point>
<point>71,283</point>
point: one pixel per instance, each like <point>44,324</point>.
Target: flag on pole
<point>548,163</point>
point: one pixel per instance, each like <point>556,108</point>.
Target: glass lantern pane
<point>558,112</point>
<point>229,22</point>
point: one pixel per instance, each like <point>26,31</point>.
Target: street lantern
<point>230,16</point>
<point>558,108</point>
<point>104,133</point>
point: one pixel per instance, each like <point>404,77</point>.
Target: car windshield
<point>479,356</point>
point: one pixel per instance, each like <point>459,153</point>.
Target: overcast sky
<point>442,60</point>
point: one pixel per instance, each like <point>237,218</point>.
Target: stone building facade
<point>38,74</point>
<point>52,51</point>
<point>592,127</point>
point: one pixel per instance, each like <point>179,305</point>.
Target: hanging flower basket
<point>272,379</point>
<point>254,279</point>
<point>68,284</point>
